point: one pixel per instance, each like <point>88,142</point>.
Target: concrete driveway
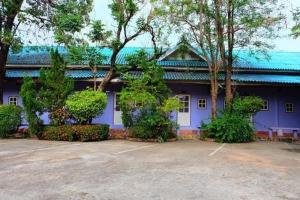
<point>118,169</point>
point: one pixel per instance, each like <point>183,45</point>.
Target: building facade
<point>276,80</point>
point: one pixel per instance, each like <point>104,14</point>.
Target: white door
<point>184,113</point>
<point>117,110</point>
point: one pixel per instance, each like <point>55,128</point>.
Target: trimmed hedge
<point>84,105</point>
<point>10,119</point>
<point>83,133</point>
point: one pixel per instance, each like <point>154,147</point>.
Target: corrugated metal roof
<point>172,76</point>
<point>282,61</point>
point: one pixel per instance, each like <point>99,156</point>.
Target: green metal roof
<point>171,76</point>
<point>278,61</point>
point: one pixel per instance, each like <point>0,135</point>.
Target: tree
<point>244,25</point>
<point>55,88</point>
<point>196,20</point>
<point>47,15</point>
<point>145,101</point>
<point>32,106</point>
<point>126,14</point>
<point>219,28</point>
<point>296,27</point>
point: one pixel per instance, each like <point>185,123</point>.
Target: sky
<point>285,43</point>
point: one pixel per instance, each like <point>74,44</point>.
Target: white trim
<point>10,102</point>
<point>189,124</point>
<point>176,48</point>
<point>292,106</point>
<point>201,98</point>
<point>265,109</point>
<point>115,111</point>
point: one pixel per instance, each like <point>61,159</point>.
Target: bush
<point>10,119</point>
<point>145,102</point>
<point>153,125</point>
<point>83,133</point>
<point>32,106</point>
<point>234,124</point>
<point>230,129</point>
<point>85,105</point>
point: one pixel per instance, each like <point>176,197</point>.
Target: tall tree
<point>130,25</point>
<point>55,88</point>
<point>130,21</point>
<point>220,28</point>
<point>245,25</point>
<point>45,14</point>
<point>196,19</point>
<point>296,27</point>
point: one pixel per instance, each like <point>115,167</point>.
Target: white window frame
<point>292,107</point>
<point>13,102</point>
<point>185,101</point>
<point>116,121</point>
<point>190,112</point>
<point>266,109</point>
<point>203,103</point>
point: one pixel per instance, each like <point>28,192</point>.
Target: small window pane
<point>184,102</point>
<point>202,103</point>
<point>266,105</point>
<point>13,100</point>
<point>117,102</point>
<point>289,107</point>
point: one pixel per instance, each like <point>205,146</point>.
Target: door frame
<point>114,109</point>
<point>190,116</point>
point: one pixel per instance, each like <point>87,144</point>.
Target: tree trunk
<point>230,43</point>
<point>228,85</point>
<point>3,59</point>
<point>214,97</point>
<point>2,74</point>
<point>109,76</point>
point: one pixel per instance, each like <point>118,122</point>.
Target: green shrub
<point>145,102</point>
<point>234,124</point>
<point>247,106</point>
<point>231,129</point>
<point>85,105</point>
<point>32,106</point>
<point>83,133</point>
<point>10,119</point>
<point>59,133</point>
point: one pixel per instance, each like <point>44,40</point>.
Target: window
<point>202,103</point>
<point>184,102</point>
<point>13,100</point>
<point>266,105</point>
<point>117,102</point>
<point>289,107</point>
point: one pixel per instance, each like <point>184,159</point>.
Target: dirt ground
<point>118,169</point>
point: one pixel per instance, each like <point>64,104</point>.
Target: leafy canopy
<point>84,105</point>
<point>145,101</point>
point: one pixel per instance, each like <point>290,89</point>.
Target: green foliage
<point>70,17</point>
<point>32,106</point>
<point>145,101</point>
<point>296,27</point>
<point>98,34</point>
<point>231,128</point>
<point>55,87</point>
<point>234,125</point>
<point>83,133</point>
<point>10,119</point>
<point>247,106</point>
<point>86,55</point>
<point>85,105</point>
<point>152,124</point>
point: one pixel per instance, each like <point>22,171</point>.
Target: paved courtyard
<point>118,169</point>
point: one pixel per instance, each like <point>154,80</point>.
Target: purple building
<point>276,80</point>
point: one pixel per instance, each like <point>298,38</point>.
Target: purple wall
<point>275,116</point>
